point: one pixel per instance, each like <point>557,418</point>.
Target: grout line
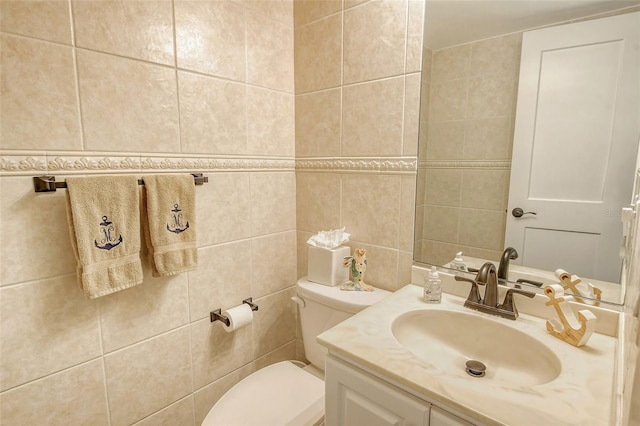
<point>175,67</point>
<point>53,373</point>
<point>103,360</point>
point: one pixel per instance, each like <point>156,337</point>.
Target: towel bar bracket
<point>217,316</point>
<point>48,183</point>
<point>249,301</point>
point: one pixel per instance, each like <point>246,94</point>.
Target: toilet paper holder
<point>217,314</point>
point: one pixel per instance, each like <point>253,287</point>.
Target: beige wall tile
<point>491,255</point>
<point>317,121</point>
<point>411,122</point>
<point>382,265</point>
<point>285,352</point>
<point>407,211</point>
<point>439,253</point>
<point>23,255</point>
<point>372,118</point>
<point>445,141</point>
<point>427,64</point>
<point>405,262</point>
<point>207,396</point>
<point>419,226</point>
<point>36,319</point>
<point>179,413</point>
<point>485,189</point>
<point>490,97</point>
<point>318,55</point>
<point>271,127</point>
<point>136,113</point>
<point>39,107</point>
<point>276,249</point>
<point>451,64</point>
<point>273,202</point>
<point>274,324</point>
<point>375,40</point>
<point>276,10</point>
<point>47,20</point>
<point>482,228</point>
<point>351,3</point>
<point>306,11</point>
<point>136,29</point>
<point>213,116</point>
<point>223,209</point>
<point>269,52</point>
<point>371,208</point>
<point>303,252</point>
<point>415,29</point>
<point>210,38</point>
<point>158,369</point>
<point>222,280</point>
<point>156,306</point>
<point>443,187</point>
<point>448,100</point>
<point>499,56</point>
<point>441,223</point>
<point>217,352</point>
<point>318,198</point>
<point>73,397</point>
<point>488,139</point>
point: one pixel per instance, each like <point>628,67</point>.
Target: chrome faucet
<point>503,270</point>
<point>487,276</point>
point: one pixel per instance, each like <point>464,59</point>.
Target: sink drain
<point>475,368</point>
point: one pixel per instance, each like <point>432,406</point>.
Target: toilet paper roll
<point>239,316</point>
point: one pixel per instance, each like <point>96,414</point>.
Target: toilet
<point>289,392</point>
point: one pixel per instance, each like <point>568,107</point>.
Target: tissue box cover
<point>326,265</point>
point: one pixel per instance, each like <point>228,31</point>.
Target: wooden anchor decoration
<point>566,327</point>
<point>569,284</point>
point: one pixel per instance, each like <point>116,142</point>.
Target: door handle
<point>518,212</point>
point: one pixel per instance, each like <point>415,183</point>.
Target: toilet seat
<point>280,394</point>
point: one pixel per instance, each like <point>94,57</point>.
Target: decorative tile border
<point>26,163</point>
<point>23,164</point>
<point>37,163</point>
<point>392,165</point>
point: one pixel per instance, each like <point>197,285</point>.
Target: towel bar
<point>49,184</point>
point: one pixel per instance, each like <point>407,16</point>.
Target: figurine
<point>358,264</point>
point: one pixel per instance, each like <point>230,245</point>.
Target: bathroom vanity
<point>404,361</point>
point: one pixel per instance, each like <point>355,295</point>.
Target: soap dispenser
<point>433,287</point>
<point>458,264</point>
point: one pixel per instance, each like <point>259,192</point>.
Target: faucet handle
<point>509,305</point>
<point>474,294</point>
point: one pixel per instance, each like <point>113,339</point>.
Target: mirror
<point>470,80</point>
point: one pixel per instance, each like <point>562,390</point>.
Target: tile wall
<point>357,74</point>
<point>466,125</point>
<point>140,87</point>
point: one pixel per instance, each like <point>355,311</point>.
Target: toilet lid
<point>280,394</point>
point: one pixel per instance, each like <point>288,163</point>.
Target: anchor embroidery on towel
<point>109,241</point>
<point>177,221</point>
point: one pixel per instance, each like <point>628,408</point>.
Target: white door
<point>575,145</point>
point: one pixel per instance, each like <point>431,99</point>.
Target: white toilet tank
<point>322,307</point>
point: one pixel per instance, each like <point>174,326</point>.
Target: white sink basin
<point>448,339</point>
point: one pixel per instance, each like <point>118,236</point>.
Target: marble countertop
<point>581,395</point>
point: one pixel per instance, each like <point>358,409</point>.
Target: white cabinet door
<point>442,418</point>
<point>354,398</point>
<point>575,145</point>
